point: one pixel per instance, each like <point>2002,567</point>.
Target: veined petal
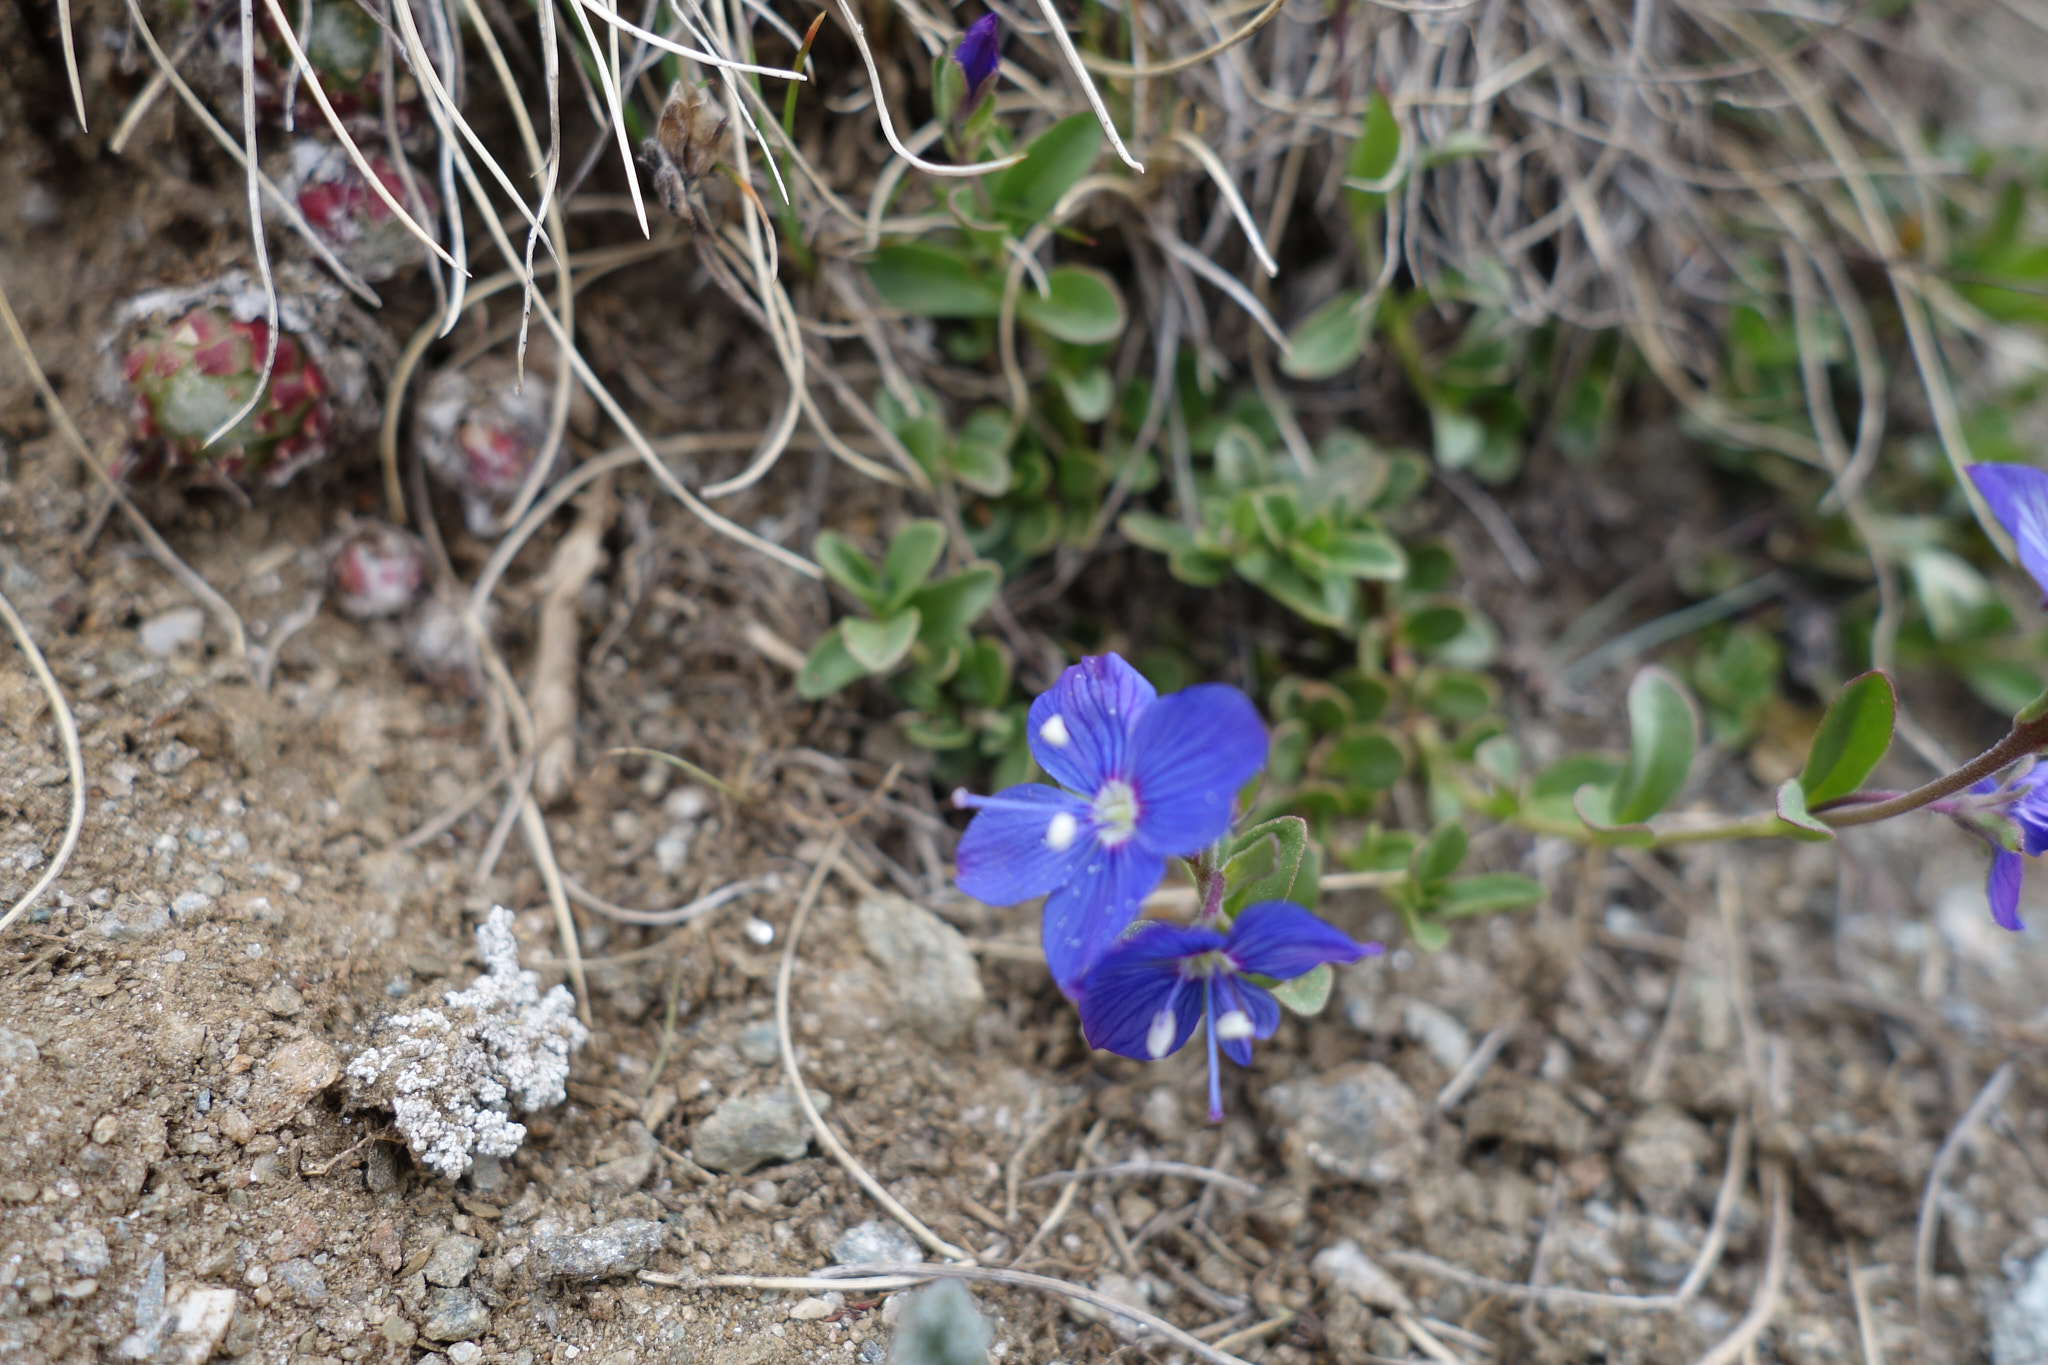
<point>980,50</point>
<point>2018,495</point>
<point>1281,940</point>
<point>1017,847</point>
<point>2003,888</point>
<point>1096,902</point>
<point>1080,731</point>
<point>1190,754</point>
<point>1134,1001</point>
<point>2030,812</point>
<point>1243,1012</point>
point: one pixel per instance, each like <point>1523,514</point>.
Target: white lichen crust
<point>450,1076</point>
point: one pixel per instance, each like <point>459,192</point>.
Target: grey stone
<point>191,907</point>
<point>1361,1122</point>
<point>282,1001</point>
<point>454,1315</point>
<point>174,757</point>
<point>452,1260</point>
<point>1531,1113</point>
<point>18,1057</point>
<point>753,1130</point>
<point>2019,1326</point>
<point>935,978</point>
<point>759,1044</point>
<point>299,1278</point>
<point>1442,1036</point>
<point>615,1249</point>
<point>85,1251</point>
<point>1124,1290</point>
<point>1346,1266</point>
<point>875,1243</point>
<point>465,1353</point>
<point>628,1172</point>
<point>1662,1154</point>
<point>487,1175</point>
<point>164,635</point>
<point>134,921</point>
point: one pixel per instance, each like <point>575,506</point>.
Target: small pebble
<point>282,1001</point>
<point>190,906</point>
<point>875,1242</point>
<point>618,1248</point>
<point>452,1261</point>
<point>810,1310</point>
<point>759,930</point>
<point>465,1353</point>
<point>758,1044</point>
<point>300,1279</point>
<point>454,1315</point>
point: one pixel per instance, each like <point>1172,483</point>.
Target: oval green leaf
<point>1792,810</point>
<point>1055,160</point>
<point>1853,736</point>
<point>1487,894</point>
<point>931,282</point>
<point>1663,734</point>
<point>1307,994</point>
<point>828,668</point>
<point>1082,306</point>
<point>1328,341</point>
<point>879,646</point>
<point>912,553</point>
<point>845,565</point>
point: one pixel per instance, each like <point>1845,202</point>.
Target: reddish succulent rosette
<point>189,377</point>
<point>479,430</point>
<point>378,570</point>
<point>350,216</point>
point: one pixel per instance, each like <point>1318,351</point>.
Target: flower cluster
<point>1142,778</point>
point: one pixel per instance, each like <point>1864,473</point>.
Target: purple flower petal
<point>1124,993</point>
<point>1080,731</point>
<point>2030,812</point>
<point>1260,1011</point>
<point>1012,849</point>
<point>980,50</point>
<point>1281,940</point>
<point>1189,755</point>
<point>2018,495</point>
<point>1097,901</point>
<point>2003,888</point>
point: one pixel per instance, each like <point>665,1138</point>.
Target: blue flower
<point>2018,496</point>
<point>1142,778</point>
<point>1144,995</point>
<point>2029,812</point>
<point>979,53</point>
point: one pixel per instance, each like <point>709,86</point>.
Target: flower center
<point>1116,813</point>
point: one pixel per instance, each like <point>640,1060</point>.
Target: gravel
<point>1360,1122</point>
<point>452,1260</point>
<point>934,976</point>
<point>753,1130</point>
<point>454,1315</point>
<point>875,1243</point>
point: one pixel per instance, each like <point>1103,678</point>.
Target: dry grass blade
<point>1152,70</point>
<point>1058,25</point>
<point>257,243</point>
<point>711,59</point>
<point>74,763</point>
<point>1227,188</point>
<point>70,47</point>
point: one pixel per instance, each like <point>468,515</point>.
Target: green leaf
<point>912,553</point>
<point>942,733</point>
<point>1663,733</point>
<point>1459,437</point>
<point>1240,457</point>
<point>1328,341</point>
<point>1082,308</point>
<point>1853,736</point>
<point>1455,695</point>
<point>984,676</point>
<point>879,646</point>
<point>828,668</point>
<point>845,565</point>
<point>1373,157</point>
<point>1595,808</point>
<point>1161,535</point>
<point>1365,756</point>
<point>1306,995</point>
<point>981,457</point>
<point>1438,856</point>
<point>1263,862</point>
<point>1792,809</point>
<point>1429,935</point>
<point>1088,394</point>
<point>1055,160</point>
<point>1487,894</point>
<point>932,282</point>
<point>1362,552</point>
<point>951,605</point>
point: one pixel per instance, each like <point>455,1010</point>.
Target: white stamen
<point>1054,732</point>
<point>1233,1025</point>
<point>1060,831</point>
<point>1159,1038</point>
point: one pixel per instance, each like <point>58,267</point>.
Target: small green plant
<point>940,1326</point>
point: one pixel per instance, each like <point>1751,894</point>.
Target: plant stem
<point>2024,738</point>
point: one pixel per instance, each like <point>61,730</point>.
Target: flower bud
<point>378,570</point>
<point>190,376</point>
